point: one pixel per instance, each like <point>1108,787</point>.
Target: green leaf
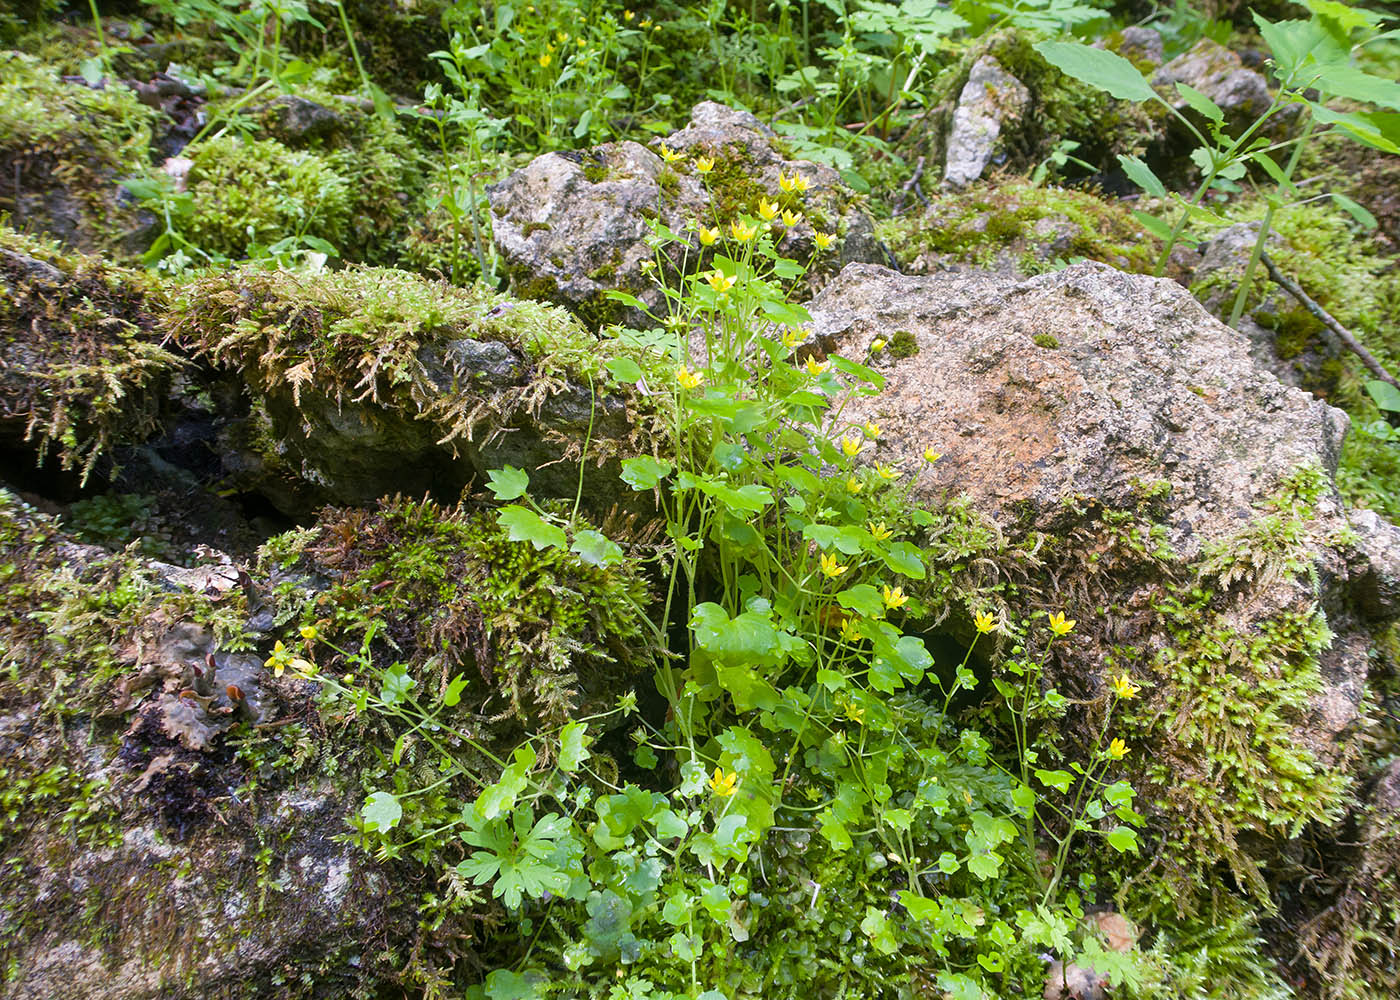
<point>1157,227</point>
<point>453,694</point>
<point>502,984</point>
<point>904,557</point>
<point>1357,212</point>
<point>834,832</point>
<point>596,548</point>
<point>1054,779</point>
<point>527,526</point>
<point>1098,68</point>
<point>624,369</point>
<point>644,472</point>
<point>1386,396</point>
<point>1379,130</point>
<point>862,599</point>
<point>920,907</point>
<point>876,926</point>
<point>509,483</point>
<point>1200,103</point>
<point>1141,174</point>
<point>396,684</point>
<point>573,746</point>
<point>1122,839</point>
<point>381,811</point>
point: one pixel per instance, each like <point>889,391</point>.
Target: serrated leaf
<point>1098,68</point>
<point>509,483</point>
<point>1200,103</point>
<point>527,526</point>
<point>1122,839</point>
<point>453,694</point>
<point>573,746</point>
<point>1141,174</point>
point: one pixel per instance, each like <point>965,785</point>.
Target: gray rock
<point>572,226</point>
<point>1141,45</point>
<point>1218,73</point>
<point>990,99</point>
<point>1144,385</point>
<point>1377,585</point>
<point>297,121</point>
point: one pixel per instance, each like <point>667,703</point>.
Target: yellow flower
<point>689,379</point>
<point>719,282</point>
<point>545,60</point>
<point>878,531</point>
<point>348,678</point>
<point>854,485</point>
<point>1059,626</point>
<point>704,164</point>
<point>563,37</point>
<point>647,265</point>
<point>877,345</point>
<point>742,231</point>
<point>280,658</point>
<point>796,182</point>
<point>767,210</point>
<point>303,667</point>
<point>872,429</point>
<point>830,567</point>
<point>723,784</point>
<point>888,473</point>
<point>850,629</point>
<point>855,714</point>
<point>792,337</point>
<point>985,622</point>
<point>310,633</point>
<point>894,599</point>
<point>851,446</point>
<point>823,240</point>
<point>931,456</point>
<point>815,367</point>
<point>1124,687</point>
<point>1118,749</point>
<point>668,154</point>
<point>628,15</point>
<point>708,236</point>
<point>791,218</point>
<point>645,23</point>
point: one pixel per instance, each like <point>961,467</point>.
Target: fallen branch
<point>1343,334</point>
<point>912,184</point>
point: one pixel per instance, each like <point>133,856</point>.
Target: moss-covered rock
<point>1018,227</point>
<point>63,148</point>
<point>367,382</point>
<point>83,369</point>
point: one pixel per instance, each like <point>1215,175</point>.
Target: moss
<point>530,228</point>
<point>83,367</point>
<point>248,192</point>
<point>977,224</point>
<point>64,147</point>
<point>1046,340</point>
<point>902,345</point>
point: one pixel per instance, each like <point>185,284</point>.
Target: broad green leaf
<point>509,483</point>
<point>1054,779</point>
<point>596,548</point>
<point>644,472</point>
<point>624,369</point>
<point>1200,103</point>
<point>1358,85</point>
<point>920,907</point>
<point>903,557</point>
<point>381,811</point>
<point>1098,68</point>
<point>395,684</point>
<point>862,599</point>
<point>1141,174</point>
<point>573,746</point>
<point>834,831</point>
<point>527,526</point>
<point>1122,839</point>
<point>1379,130</point>
<point>1386,396</point>
<point>876,926</point>
<point>1276,173</point>
<point>1157,227</point>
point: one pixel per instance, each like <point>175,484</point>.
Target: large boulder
<point>572,226</point>
<point>1159,487</point>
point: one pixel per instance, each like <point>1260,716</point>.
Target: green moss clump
<point>977,225</point>
<point>63,148</point>
<point>1046,340</point>
<point>82,365</point>
<point>248,192</point>
<point>543,629</point>
<point>902,345</point>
